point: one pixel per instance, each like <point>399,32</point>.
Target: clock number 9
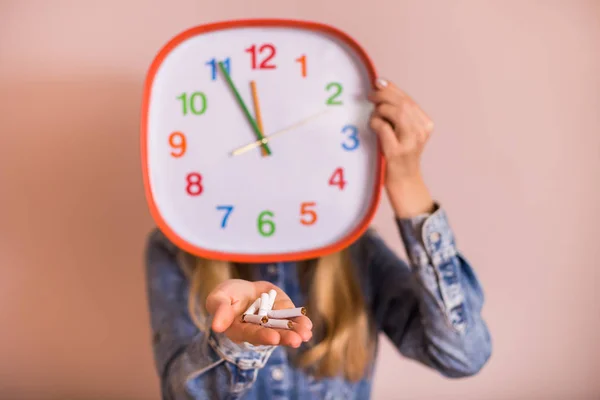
<point>194,184</point>
<point>191,103</point>
<point>177,141</point>
<point>266,227</point>
<point>331,100</point>
<point>353,136</point>
<point>309,216</point>
<point>267,47</point>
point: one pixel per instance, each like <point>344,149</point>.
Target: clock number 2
<point>337,179</point>
<point>194,184</point>
<point>228,210</point>
<point>269,51</point>
<point>332,100</point>
<point>266,227</point>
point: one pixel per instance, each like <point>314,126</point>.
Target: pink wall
<point>515,92</point>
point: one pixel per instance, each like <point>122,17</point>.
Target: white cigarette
<point>287,313</point>
<point>278,323</point>
<point>264,304</point>
<point>252,309</point>
<point>254,319</point>
<point>272,295</point>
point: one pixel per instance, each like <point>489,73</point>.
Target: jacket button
<point>277,374</point>
<point>434,237</point>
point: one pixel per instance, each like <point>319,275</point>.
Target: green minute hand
<point>257,131</point>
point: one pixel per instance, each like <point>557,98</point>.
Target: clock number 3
<point>268,49</point>
<point>353,130</point>
<point>194,184</point>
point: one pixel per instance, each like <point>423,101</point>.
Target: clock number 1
<point>302,61</point>
<point>196,103</point>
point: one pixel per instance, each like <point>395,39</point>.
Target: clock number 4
<point>194,184</point>
<point>228,210</point>
<point>213,64</point>
<point>268,50</point>
<point>266,227</point>
<point>196,103</point>
<point>337,91</point>
<point>337,179</point>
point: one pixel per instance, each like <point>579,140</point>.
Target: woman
<point>430,310</point>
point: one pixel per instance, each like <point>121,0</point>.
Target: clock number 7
<point>228,210</point>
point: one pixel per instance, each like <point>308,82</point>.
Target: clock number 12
<point>269,51</point>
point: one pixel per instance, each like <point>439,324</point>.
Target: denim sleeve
<point>431,310</point>
<point>192,363</point>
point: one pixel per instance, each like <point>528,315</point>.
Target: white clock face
<point>312,185</point>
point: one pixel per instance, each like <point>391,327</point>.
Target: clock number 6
<point>194,184</point>
<point>264,48</point>
<point>310,216</point>
<point>266,227</point>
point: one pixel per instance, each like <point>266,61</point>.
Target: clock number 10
<point>196,103</point>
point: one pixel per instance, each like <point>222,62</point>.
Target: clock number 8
<point>194,184</point>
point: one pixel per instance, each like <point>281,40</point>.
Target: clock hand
<point>259,135</point>
<point>258,113</point>
<point>264,140</point>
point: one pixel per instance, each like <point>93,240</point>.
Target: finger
<point>303,320</point>
<point>303,331</point>
<point>290,338</point>
<point>384,132</point>
<point>253,333</point>
<point>388,112</point>
<point>283,303</point>
<point>219,306</point>
<point>385,95</point>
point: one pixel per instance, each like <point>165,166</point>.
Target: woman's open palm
<point>228,301</point>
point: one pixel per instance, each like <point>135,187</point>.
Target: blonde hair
<point>343,338</point>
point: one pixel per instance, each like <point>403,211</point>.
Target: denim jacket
<point>430,310</point>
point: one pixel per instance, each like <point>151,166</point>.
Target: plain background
<point>513,87</point>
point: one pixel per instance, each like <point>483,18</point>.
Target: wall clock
<point>255,143</point>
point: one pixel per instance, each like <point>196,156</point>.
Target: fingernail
<point>382,82</point>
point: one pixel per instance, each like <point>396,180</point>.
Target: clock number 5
<point>309,216</point>
<point>268,49</point>
<point>353,136</point>
<point>266,227</point>
<point>228,210</point>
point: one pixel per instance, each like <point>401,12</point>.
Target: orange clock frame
<point>351,237</point>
